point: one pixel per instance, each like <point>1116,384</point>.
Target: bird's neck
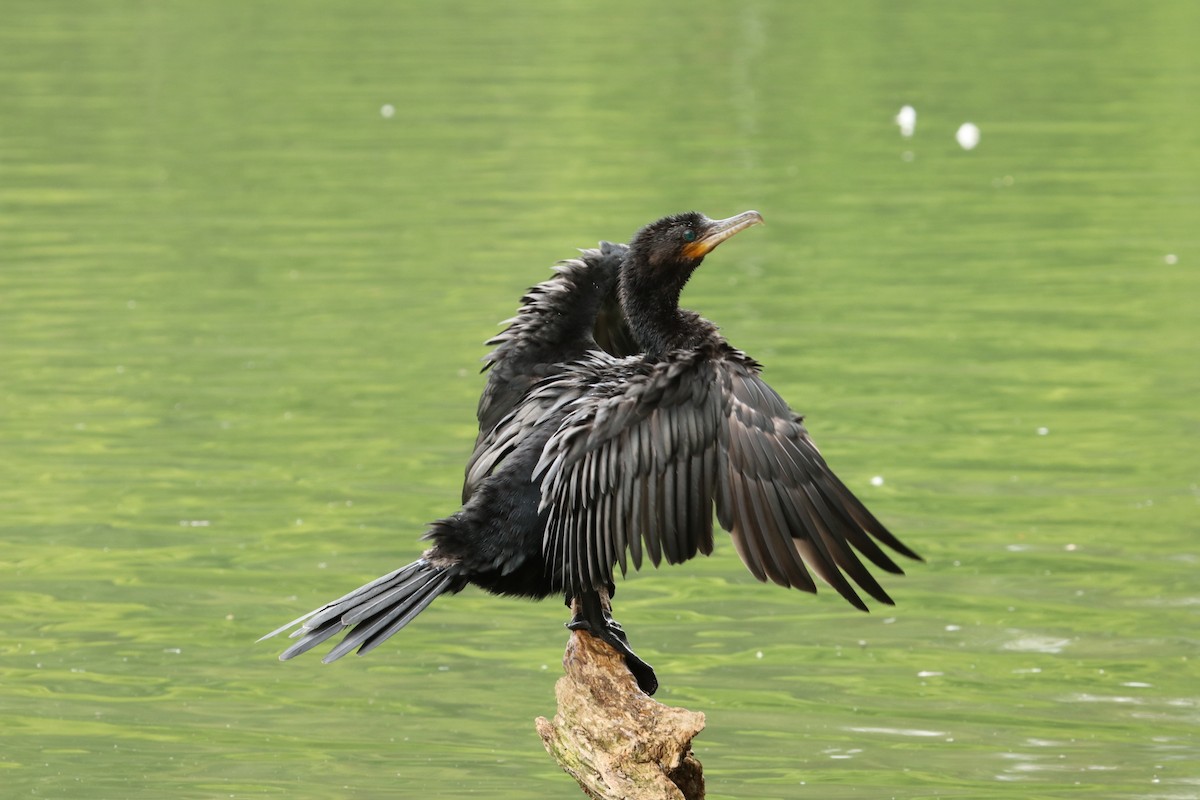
<point>658,323</point>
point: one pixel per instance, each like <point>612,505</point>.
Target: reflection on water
<point>247,258</point>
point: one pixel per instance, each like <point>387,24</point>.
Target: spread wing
<point>636,466</point>
<point>785,507</point>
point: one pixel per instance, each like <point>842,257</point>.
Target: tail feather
<point>386,600</point>
<point>372,640</point>
<point>311,639</point>
<point>376,610</point>
<point>340,607</point>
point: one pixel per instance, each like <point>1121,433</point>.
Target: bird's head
<point>678,243</point>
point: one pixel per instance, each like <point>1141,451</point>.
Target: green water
<point>241,310</point>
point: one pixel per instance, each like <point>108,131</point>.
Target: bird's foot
<point>612,633</point>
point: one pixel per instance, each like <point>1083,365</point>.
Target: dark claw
<point>647,681</point>
<point>614,635</point>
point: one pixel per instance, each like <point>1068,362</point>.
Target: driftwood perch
<point>617,742</point>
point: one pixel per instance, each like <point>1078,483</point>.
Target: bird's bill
<point>720,230</point>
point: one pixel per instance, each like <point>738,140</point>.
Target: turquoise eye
<point>689,235</point>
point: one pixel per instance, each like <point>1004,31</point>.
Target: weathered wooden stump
<point>617,742</point>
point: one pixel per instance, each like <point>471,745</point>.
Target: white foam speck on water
<point>1169,258</point>
<point>877,480</point>
<point>387,111</point>
<point>907,120</point>
<point>928,673</point>
<point>1043,431</point>
<point>967,135</point>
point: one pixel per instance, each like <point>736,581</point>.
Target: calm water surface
<point>248,253</point>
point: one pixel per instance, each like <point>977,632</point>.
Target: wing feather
<point>704,478</point>
<point>744,538</point>
<point>669,533</point>
<point>652,515</point>
<point>637,522</point>
<point>683,504</point>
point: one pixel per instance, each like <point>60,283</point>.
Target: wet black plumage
<point>560,320</point>
<point>588,460</point>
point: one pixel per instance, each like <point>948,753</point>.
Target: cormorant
<point>587,460</point>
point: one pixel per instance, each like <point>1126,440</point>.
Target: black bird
<point>608,459</point>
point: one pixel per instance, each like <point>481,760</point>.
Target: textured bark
<point>617,742</point>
